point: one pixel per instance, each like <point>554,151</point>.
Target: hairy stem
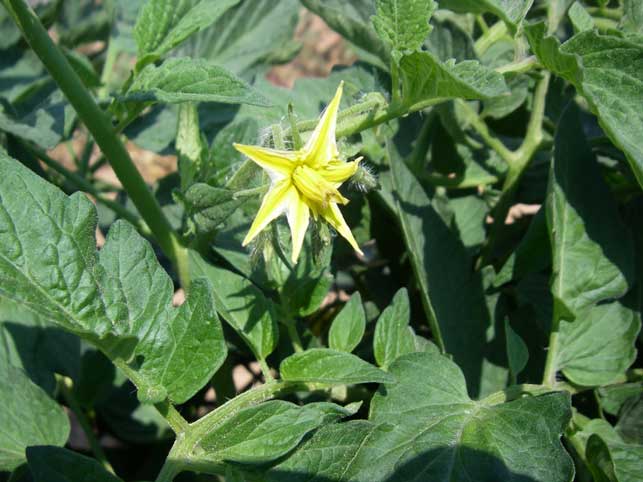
<point>174,419</point>
<point>98,124</point>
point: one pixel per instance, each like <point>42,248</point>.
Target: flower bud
<point>364,179</point>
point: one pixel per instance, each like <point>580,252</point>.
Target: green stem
<point>169,470</point>
<point>482,24</point>
<point>491,36</point>
<point>265,369</point>
<point>251,397</point>
<point>605,24</point>
<point>98,124</point>
<point>298,143</point>
<point>84,185</point>
<point>395,83</point>
<point>108,69</point>
<point>480,126</point>
<point>277,136</point>
<point>535,134</point>
<point>551,363</point>
<point>131,117</point>
<point>517,160</point>
<point>66,386</point>
<point>611,13</point>
<point>255,191</point>
<point>515,391</point>
<point>417,158</point>
<point>85,156</point>
<point>181,457</point>
<point>174,419</point>
<point>297,345</point>
<point>519,66</point>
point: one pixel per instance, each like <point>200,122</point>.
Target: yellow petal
<point>298,218</point>
<point>315,188</point>
<point>339,171</point>
<point>334,217</point>
<point>277,163</point>
<point>321,147</point>
<point>274,203</point>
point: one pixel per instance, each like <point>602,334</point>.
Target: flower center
<point>315,188</point>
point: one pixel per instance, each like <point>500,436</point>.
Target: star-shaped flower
<point>304,181</point>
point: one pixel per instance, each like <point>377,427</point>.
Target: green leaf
<point>267,431</point>
<point>40,120</point>
<point>308,282</point>
<point>242,305</point>
<point>592,249</point>
<point>324,365</point>
<point>352,21</point>
<point>393,336</point>
<point>164,24</point>
<point>112,396</point>
<point>449,40</point>
<point>599,346</point>
<point>517,351</point>
<point>632,20</point>
<point>512,12</point>
<point>36,346</point>
<point>209,206</point>
<point>249,36</point>
<point>425,427</point>
<point>451,291</point>
<point>581,20</point>
<point>328,456</point>
<point>9,32</point>
<point>56,464</point>
<point>502,106</point>
<point>605,69</point>
<point>609,458</point>
<point>425,78</point>
<point>403,24</point>
<point>191,80</point>
<point>469,214</point>
<point>28,417</point>
<point>614,397</point>
<point>120,300</point>
<point>630,420</point>
<point>156,129</point>
<point>621,462</point>
<point>348,326</point>
<point>190,145</point>
<point>437,410</point>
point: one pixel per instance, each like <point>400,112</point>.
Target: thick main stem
<point>98,124</point>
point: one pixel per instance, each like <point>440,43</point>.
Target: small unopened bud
<point>364,179</point>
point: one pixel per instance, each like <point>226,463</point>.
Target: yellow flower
<point>304,181</point>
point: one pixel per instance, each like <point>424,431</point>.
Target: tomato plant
<point>425,265</point>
